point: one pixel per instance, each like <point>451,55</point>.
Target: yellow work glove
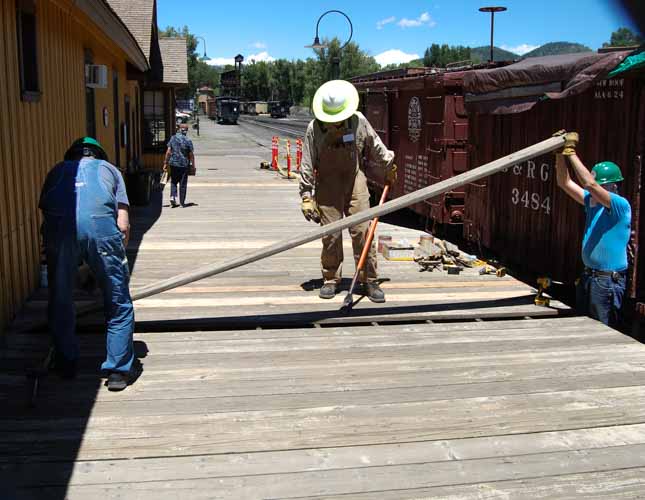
<point>390,174</point>
<point>570,143</point>
<point>309,210</point>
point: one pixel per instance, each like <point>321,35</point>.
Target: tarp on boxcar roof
<point>517,87</point>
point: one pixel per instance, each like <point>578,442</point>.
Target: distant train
<point>223,109</point>
<point>279,109</point>
<point>443,123</point>
<point>255,108</point>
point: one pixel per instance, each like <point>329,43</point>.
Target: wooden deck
<point>253,388</point>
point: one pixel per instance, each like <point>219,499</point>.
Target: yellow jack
<point>540,299</point>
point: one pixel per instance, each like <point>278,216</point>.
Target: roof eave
<point>105,18</point>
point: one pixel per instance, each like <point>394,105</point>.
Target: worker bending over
<point>608,216</point>
<point>333,182</point>
<point>85,208</point>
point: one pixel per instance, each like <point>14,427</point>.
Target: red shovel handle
<point>370,233</point>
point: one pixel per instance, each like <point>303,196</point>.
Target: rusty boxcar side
<point>522,215</point>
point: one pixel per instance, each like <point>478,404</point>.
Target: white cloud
<point>259,45</point>
<point>383,22</point>
<point>261,56</point>
<point>423,20</point>
<point>221,61</point>
<point>394,56</point>
<point>520,49</point>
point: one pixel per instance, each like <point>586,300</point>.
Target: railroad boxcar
<point>261,107</point>
<point>419,113</point>
<point>211,110</point>
<point>227,109</point>
<point>522,215</point>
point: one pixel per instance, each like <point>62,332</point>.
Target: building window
<point>154,120</point>
<point>27,49</point>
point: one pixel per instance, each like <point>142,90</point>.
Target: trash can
<point>139,188</point>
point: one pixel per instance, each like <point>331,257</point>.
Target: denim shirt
<point>180,146</point>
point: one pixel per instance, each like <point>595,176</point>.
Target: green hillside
<point>556,48</point>
<point>483,53</point>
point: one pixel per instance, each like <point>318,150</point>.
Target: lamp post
<point>203,40</point>
<point>335,60</point>
<point>492,11</point>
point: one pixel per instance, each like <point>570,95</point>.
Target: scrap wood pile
<point>433,253</point>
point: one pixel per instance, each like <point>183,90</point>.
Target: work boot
<point>374,293</point>
<point>328,291</point>
<point>117,381</point>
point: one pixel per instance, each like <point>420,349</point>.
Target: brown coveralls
<point>332,167</point>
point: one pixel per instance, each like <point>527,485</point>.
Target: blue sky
<point>390,31</point>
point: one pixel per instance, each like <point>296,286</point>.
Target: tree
<point>442,55</point>
<point>199,72</point>
<point>623,37</point>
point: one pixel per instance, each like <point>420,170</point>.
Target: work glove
<point>570,142</point>
<point>390,174</point>
<point>309,210</point>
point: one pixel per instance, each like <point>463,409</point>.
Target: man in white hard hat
<point>333,182</point>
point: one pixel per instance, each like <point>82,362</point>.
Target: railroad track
<point>294,128</point>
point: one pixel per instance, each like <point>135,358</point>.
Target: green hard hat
<point>87,142</point>
<point>606,172</point>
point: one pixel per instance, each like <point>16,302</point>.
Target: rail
<point>293,128</point>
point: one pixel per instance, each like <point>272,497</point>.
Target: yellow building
<point>70,68</point>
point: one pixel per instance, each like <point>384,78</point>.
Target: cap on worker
<point>335,101</point>
<point>86,143</point>
<point>606,172</point>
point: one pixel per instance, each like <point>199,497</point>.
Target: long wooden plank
<point>378,479</point>
<point>174,435</point>
<point>249,365</point>
<point>173,402</point>
<point>554,326</point>
<point>441,344</point>
<point>204,382</point>
<point>484,331</point>
<point>320,459</point>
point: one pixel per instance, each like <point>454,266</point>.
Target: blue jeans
<point>601,297</point>
<point>106,257</point>
<point>178,175</point>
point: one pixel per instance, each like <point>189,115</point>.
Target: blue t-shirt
<point>607,232</point>
<point>180,146</point>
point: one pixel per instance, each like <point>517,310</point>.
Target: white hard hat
<point>335,101</point>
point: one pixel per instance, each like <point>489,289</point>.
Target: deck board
<point>254,388</point>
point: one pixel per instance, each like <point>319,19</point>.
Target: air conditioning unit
<point>96,76</point>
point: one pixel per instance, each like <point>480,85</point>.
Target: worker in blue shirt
<point>608,217</point>
<point>85,209</point>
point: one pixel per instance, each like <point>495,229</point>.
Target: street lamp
<point>204,40</point>
<point>492,11</point>
<point>335,60</point>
